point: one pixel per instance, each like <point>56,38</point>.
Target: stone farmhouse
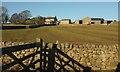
<point>51,20</point>
<point>65,21</point>
<point>88,20</point>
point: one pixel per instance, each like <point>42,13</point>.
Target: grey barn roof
<point>97,18</point>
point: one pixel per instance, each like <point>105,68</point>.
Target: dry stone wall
<point>98,57</point>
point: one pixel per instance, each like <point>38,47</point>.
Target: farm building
<point>88,20</point>
<point>65,21</point>
<point>97,20</point>
<point>78,22</point>
<point>108,21</point>
<point>51,20</point>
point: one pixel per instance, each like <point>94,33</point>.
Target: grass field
<point>97,34</point>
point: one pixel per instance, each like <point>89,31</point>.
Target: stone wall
<point>98,57</point>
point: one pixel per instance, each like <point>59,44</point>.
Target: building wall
<point>96,21</point>
<point>77,22</point>
<point>105,22</point>
<point>65,22</point>
<point>86,20</point>
<point>49,21</point>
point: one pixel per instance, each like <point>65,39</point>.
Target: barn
<point>89,20</point>
<point>65,21</point>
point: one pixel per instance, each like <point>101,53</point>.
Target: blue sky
<point>71,10</point>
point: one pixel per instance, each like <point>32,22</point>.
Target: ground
<point>78,34</point>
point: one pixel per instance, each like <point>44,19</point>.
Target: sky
<point>60,0</point>
<point>66,10</point>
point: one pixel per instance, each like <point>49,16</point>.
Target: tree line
<point>19,18</point>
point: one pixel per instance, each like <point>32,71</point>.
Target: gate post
<point>51,58</point>
<point>41,47</point>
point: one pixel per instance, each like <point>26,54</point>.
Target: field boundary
<point>25,26</point>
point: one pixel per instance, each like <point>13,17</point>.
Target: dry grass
<point>97,34</point>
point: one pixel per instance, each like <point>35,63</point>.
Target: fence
<point>38,57</point>
<point>25,26</point>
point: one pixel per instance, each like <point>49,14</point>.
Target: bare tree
<point>3,14</point>
<point>20,17</point>
<point>14,18</point>
<point>24,15</point>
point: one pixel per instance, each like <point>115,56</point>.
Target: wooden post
<point>51,58</point>
<point>38,49</point>
<point>41,47</point>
